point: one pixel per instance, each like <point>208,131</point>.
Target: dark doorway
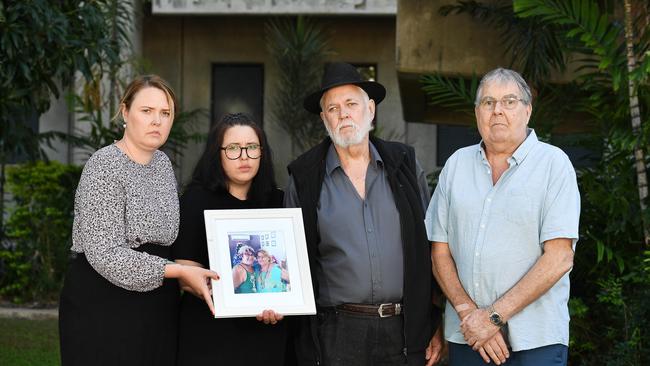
<point>238,88</point>
<point>452,138</point>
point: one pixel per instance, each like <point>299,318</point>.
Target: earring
<point>124,125</point>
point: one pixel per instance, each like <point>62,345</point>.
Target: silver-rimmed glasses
<point>507,102</point>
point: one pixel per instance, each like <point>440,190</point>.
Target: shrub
<point>34,258</point>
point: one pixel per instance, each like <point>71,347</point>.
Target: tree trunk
<point>635,114</point>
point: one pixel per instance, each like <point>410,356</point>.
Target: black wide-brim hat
<point>341,73</point>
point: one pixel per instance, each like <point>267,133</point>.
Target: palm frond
<point>586,23</point>
<point>298,47</point>
<point>455,93</point>
<point>533,45</point>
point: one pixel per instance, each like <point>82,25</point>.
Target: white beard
<point>360,132</point>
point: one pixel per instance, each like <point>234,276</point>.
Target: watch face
<point>495,319</point>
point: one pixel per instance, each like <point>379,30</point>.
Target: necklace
<point>265,278</point>
<point>128,151</point>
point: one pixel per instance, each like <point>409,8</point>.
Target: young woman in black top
<point>234,172</point>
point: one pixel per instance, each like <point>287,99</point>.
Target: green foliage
<point>299,47</point>
<point>38,229</point>
<point>42,44</point>
<point>585,22</point>
<point>454,93</point>
<point>15,269</point>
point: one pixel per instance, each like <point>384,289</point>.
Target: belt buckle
<point>381,310</point>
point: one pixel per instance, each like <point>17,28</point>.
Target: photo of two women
<point>258,263</point>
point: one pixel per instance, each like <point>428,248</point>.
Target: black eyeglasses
<point>234,151</point>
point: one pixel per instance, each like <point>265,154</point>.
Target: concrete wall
<point>57,118</point>
<point>277,7</point>
<point>455,44</point>
<point>183,49</point>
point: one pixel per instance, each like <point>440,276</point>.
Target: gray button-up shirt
<point>361,259</point>
<point>496,233</point>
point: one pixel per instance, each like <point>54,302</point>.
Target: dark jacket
<point>421,318</point>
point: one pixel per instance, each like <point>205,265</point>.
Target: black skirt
<point>204,340</point>
<point>103,324</point>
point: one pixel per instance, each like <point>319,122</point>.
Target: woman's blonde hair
<point>146,81</point>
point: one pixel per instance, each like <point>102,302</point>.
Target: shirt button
<point>369,230</point>
<point>482,226</point>
<point>489,199</point>
<point>476,284</point>
<point>476,254</point>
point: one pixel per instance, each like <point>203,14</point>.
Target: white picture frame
<point>281,235</point>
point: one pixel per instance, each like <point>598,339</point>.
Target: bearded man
<point>363,201</point>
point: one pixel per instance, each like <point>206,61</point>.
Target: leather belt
<point>381,310</point>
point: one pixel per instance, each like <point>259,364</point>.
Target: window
<point>452,138</point>
<point>238,88</point>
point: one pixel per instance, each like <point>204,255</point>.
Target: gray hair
<point>502,75</point>
<point>322,97</point>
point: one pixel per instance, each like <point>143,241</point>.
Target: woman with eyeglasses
<point>234,172</point>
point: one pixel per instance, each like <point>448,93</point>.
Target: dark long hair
<point>209,173</point>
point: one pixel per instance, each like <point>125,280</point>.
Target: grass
<point>27,342</point>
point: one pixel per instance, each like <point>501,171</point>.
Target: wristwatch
<point>495,317</point>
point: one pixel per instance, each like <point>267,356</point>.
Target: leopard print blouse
<point>120,205</point>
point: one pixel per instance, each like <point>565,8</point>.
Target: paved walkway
<point>25,313</point>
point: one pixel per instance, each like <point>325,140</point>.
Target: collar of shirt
<point>332,160</point>
<point>522,151</point>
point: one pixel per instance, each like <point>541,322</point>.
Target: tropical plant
<point>42,45</point>
<point>602,42</point>
<point>299,47</point>
<point>39,228</point>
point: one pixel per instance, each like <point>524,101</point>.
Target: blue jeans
<point>555,354</point>
<point>357,340</point>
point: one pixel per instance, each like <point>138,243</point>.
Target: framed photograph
<point>261,257</point>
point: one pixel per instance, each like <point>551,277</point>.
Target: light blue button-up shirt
<point>496,233</point>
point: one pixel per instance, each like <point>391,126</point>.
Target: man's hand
<point>435,348</point>
<point>496,349</point>
<point>477,328</point>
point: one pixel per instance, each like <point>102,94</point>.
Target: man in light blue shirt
<point>504,223</point>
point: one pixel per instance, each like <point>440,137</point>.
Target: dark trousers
<point>356,340</point>
<point>555,354</point>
